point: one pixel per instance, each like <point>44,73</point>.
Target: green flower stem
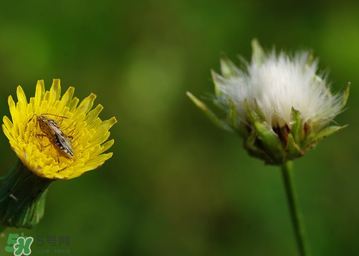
<point>295,212</point>
<point>22,198</point>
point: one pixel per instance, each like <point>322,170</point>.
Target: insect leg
<point>41,135</point>
<point>71,132</point>
<point>61,170</point>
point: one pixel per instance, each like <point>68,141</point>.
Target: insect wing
<point>54,126</point>
<point>61,139</point>
<point>64,143</point>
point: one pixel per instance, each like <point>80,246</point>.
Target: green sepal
<point>258,53</point>
<point>270,140</point>
<point>253,150</point>
<point>212,116</point>
<point>292,149</point>
<point>22,198</point>
<point>346,95</point>
<point>233,120</point>
<point>228,68</point>
<point>296,126</point>
<point>328,131</point>
<point>312,140</point>
<point>217,89</point>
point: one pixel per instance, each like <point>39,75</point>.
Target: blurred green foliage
<point>177,185</point>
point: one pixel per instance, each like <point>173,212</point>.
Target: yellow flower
<point>80,125</point>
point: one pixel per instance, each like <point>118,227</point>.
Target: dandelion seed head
<point>278,84</point>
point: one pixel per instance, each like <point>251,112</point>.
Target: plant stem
<point>295,212</point>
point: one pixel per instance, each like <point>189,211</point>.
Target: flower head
<point>280,104</point>
<point>69,126</point>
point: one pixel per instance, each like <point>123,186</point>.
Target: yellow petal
<point>95,124</point>
<point>67,97</point>
<point>106,125</point>
<point>95,163</point>
<point>73,104</point>
<point>21,97</point>
<point>86,104</point>
<point>94,113</point>
<point>7,122</point>
<point>55,91</point>
<point>12,108</point>
<point>100,159</point>
<point>39,93</point>
<point>106,146</point>
<point>7,133</point>
<point>22,101</point>
<point>99,138</point>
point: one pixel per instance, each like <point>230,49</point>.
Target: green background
<point>176,184</point>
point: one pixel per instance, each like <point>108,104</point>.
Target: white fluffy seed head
<point>279,83</point>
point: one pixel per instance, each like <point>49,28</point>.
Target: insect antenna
<point>32,118</point>
<point>48,114</point>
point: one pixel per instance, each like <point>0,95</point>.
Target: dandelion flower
<point>88,132</point>
<point>279,103</point>
<point>75,142</point>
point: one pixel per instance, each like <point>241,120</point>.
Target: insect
<point>53,132</point>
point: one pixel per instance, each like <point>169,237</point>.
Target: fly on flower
<point>51,129</point>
